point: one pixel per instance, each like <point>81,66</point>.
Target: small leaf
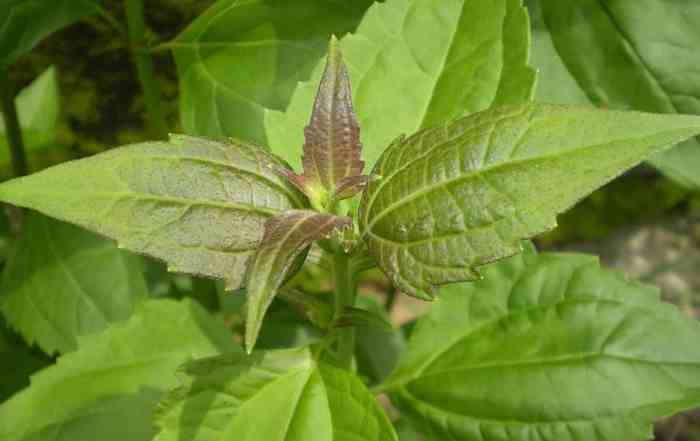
<point>37,109</point>
<point>281,395</point>
<point>464,194</point>
<point>414,64</point>
<point>350,186</point>
<point>272,44</point>
<point>24,23</point>
<point>286,237</point>
<point>199,205</point>
<point>63,282</point>
<point>137,357</point>
<point>332,138</point>
<point>547,348</point>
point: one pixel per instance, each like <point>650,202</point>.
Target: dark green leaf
<point>414,64</point>
<point>24,23</point>
<point>63,282</point>
<point>98,382</point>
<point>638,55</point>
<point>551,348</point>
<point>19,361</point>
<point>280,395</point>
<point>463,194</point>
<point>286,237</point>
<point>199,205</point>
<point>240,58</point>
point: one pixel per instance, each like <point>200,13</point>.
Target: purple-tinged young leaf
<point>332,139</point>
<point>285,238</point>
<point>350,186</point>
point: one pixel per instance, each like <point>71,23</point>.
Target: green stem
<point>12,127</point>
<point>144,66</point>
<point>345,292</point>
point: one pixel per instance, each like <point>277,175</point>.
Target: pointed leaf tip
<point>332,138</point>
<point>285,239</point>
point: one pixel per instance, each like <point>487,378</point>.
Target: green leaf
<point>403,81</point>
<point>463,194</point>
<point>199,205</point>
<point>286,237</point>
<point>272,396</point>
<point>26,22</point>
<point>131,360</point>
<point>63,282</point>
<point>548,347</point>
<point>377,350</point>
<point>641,55</point>
<point>240,58</point>
<point>19,361</point>
<point>37,109</point>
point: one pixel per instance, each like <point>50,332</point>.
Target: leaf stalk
<point>345,293</point>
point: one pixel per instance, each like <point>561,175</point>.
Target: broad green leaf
<point>63,282</point>
<point>402,80</point>
<point>37,110</point>
<point>24,23</point>
<point>638,55</point>
<point>128,362</point>
<point>551,348</point>
<point>286,237</point>
<point>199,205</point>
<point>280,395</point>
<point>242,57</point>
<point>463,194</point>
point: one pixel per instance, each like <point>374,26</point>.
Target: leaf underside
<point>286,237</point>
<point>197,204</point>
<point>464,194</point>
<point>548,348</point>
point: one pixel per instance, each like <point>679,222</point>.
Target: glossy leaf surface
<point>463,194</point>
<point>403,81</point>
<point>63,282</point>
<point>199,205</point>
<point>548,347</point>
<point>124,367</point>
<point>24,23</point>
<point>286,237</point>
<point>275,396</point>
<point>240,58</point>
<point>641,55</point>
<point>332,138</point>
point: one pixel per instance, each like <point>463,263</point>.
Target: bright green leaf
<point>463,194</point>
<point>199,205</point>
<point>63,281</point>
<point>280,395</point>
<point>638,55</point>
<point>402,80</point>
<point>548,347</point>
<point>138,357</point>
<point>24,23</point>
<point>241,57</point>
<point>37,110</point>
<point>286,237</point>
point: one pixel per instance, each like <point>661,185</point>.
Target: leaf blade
<point>286,236</point>
<point>199,205</point>
<point>547,347</point>
<point>63,282</point>
<point>461,195</point>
